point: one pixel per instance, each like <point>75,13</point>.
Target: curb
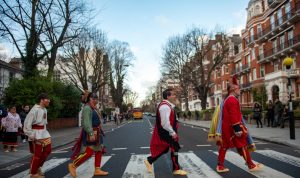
<point>256,137</point>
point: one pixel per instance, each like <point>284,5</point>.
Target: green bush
<point>64,98</point>
<point>247,111</point>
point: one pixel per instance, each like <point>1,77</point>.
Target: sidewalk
<point>275,135</point>
<point>60,137</point>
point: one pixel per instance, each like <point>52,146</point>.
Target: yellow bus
<point>137,113</point>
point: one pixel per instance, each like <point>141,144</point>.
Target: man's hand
<point>175,137</point>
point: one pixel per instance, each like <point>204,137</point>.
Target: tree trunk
<point>30,67</point>
<point>51,63</point>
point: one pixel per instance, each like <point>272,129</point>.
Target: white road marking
<point>119,149</point>
<point>11,167</point>
<point>266,171</point>
<point>136,168</point>
<point>48,165</point>
<point>204,130</point>
<point>58,152</point>
<point>203,145</point>
<point>145,147</point>
<point>195,166</point>
<point>280,157</point>
<point>86,170</point>
<point>149,123</point>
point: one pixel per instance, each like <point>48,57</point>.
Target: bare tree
<point>176,54</point>
<point>85,60</point>
<point>38,28</point>
<point>121,58</point>
<point>208,54</point>
<point>130,97</point>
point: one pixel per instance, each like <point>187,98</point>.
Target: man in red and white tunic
<point>234,132</point>
<point>39,138</point>
<point>165,135</point>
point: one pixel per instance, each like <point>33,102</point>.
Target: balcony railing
<point>290,17</point>
<point>245,67</point>
<point>235,71</point>
<point>246,86</point>
<point>280,49</point>
<point>274,3</point>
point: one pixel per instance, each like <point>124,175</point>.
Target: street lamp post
<point>288,62</point>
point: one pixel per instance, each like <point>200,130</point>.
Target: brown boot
<point>99,172</point>
<point>72,169</point>
<point>36,176</point>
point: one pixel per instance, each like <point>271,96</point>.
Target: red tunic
<point>231,115</point>
<point>158,144</point>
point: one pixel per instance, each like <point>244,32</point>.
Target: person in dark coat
<point>257,110</point>
<point>270,113</point>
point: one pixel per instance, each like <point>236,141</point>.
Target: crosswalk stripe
<point>48,165</point>
<point>136,167</point>
<point>87,169</point>
<point>195,166</point>
<point>280,157</point>
<point>266,171</point>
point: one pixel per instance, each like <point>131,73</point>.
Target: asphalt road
<point>128,146</point>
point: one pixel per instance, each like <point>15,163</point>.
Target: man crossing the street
<point>165,135</point>
<point>38,136</point>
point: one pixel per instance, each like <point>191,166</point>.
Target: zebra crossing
<point>197,165</point>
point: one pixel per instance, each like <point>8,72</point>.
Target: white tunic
<point>11,122</point>
<point>37,115</point>
<point>165,113</point>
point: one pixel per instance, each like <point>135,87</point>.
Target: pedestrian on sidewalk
<point>277,112</point>
<point>91,138</point>
<point>165,133</point>
<point>38,136</point>
<point>257,110</point>
<point>11,123</point>
<point>23,114</point>
<point>3,114</point>
<point>270,113</point>
<point>197,115</point>
<point>189,115</point>
<point>184,116</point>
<point>234,133</point>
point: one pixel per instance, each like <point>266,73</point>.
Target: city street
<point>128,146</point>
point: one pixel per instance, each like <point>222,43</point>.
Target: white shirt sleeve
<point>28,124</point>
<point>165,112</point>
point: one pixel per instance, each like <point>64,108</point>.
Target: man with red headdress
<point>164,135</point>
<point>234,133</point>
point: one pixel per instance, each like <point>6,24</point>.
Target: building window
<point>253,53</point>
<point>290,37</point>
<point>272,22</point>
<point>226,70</point>
<point>254,74</point>
<point>251,35</point>
<point>259,30</point>
<point>56,75</point>
<point>248,60</point>
<point>11,76</point>
<point>262,71</point>
<point>279,16</point>
<point>281,41</point>
<point>288,10</point>
<point>274,43</point>
<point>276,67</point>
<point>261,51</point>
<point>242,80</point>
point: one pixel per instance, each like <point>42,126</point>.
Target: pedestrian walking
<point>257,110</point>
<point>184,116</point>
<point>23,114</point>
<point>270,113</point>
<point>165,134</point>
<point>11,123</point>
<point>277,112</point>
<point>197,115</point>
<point>90,140</point>
<point>231,130</point>
<point>3,114</point>
<point>38,136</point>
<point>189,115</point>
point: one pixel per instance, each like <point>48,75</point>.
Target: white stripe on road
<point>266,171</point>
<point>203,145</point>
<point>145,147</point>
<point>195,166</point>
<point>150,123</point>
<point>280,157</point>
<point>136,168</point>
<point>48,165</point>
<point>86,170</point>
<point>119,149</point>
